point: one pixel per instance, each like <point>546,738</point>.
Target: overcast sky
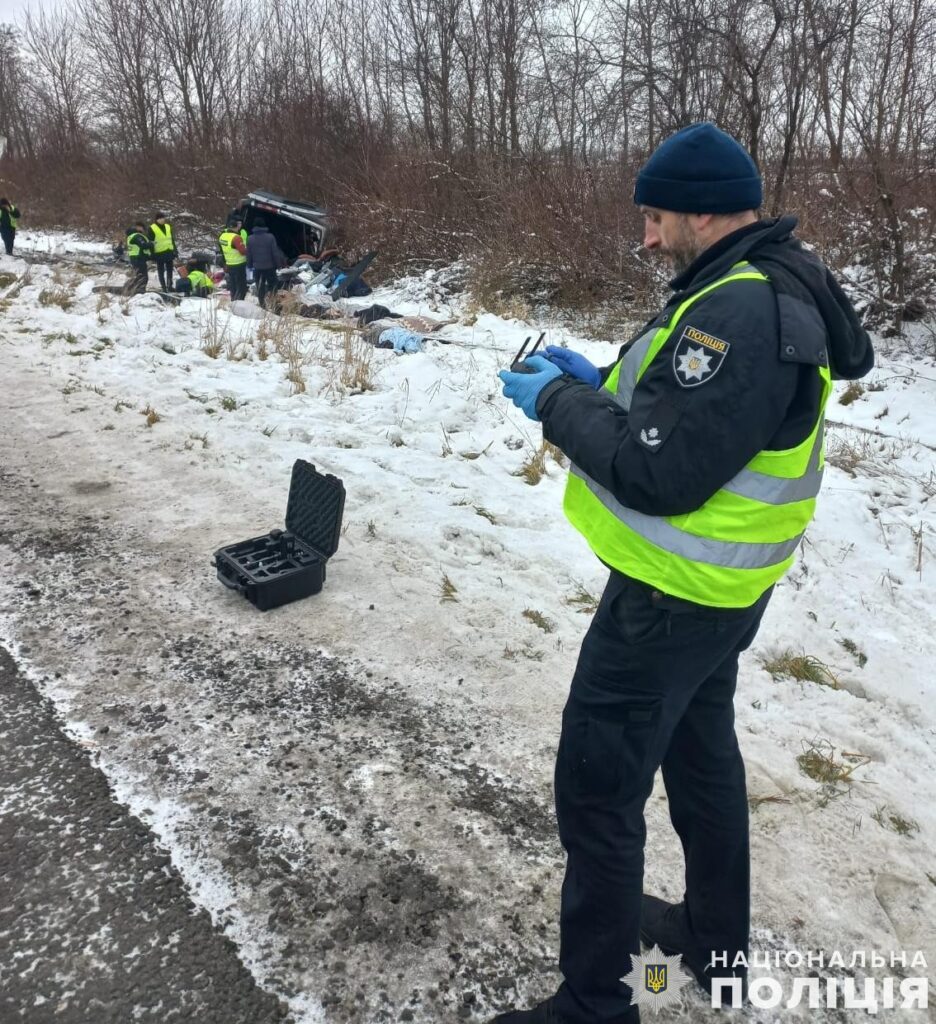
<point>10,10</point>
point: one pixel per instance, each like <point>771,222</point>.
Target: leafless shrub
<point>504,134</point>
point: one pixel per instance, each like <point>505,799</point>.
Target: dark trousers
<point>140,278</point>
<point>237,280</point>
<point>266,282</point>
<point>654,685</point>
<point>184,287</point>
<point>8,235</point>
<point>164,264</point>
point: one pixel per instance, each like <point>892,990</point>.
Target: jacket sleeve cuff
<point>551,388</point>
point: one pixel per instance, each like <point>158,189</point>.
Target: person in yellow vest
<point>165,251</point>
<point>138,246</point>
<point>9,219</point>
<point>234,253</point>
<point>194,280</point>
<point>696,458</point>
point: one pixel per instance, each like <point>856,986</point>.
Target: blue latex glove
<point>574,365</point>
<point>523,388</point>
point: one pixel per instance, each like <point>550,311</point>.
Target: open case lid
<point>315,507</point>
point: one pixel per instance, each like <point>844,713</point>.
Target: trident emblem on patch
<point>655,978</point>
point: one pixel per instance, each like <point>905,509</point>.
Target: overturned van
<point>300,228</point>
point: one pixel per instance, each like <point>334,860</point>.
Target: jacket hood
<point>800,280</point>
<point>260,231</point>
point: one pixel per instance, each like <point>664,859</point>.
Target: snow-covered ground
<point>359,785</point>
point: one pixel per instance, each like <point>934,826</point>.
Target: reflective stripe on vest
<point>162,238</point>
<point>133,247</point>
<point>742,540</point>
<point>232,257</point>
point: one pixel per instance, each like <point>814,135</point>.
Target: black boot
<point>542,1013</point>
<point>545,1013</point>
<point>667,925</point>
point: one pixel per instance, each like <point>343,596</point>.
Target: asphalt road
<point>95,924</point>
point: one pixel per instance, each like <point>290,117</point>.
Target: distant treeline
<point>504,132</point>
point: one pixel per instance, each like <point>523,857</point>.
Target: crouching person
<point>193,282</point>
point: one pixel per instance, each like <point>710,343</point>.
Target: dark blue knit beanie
<point>700,169</point>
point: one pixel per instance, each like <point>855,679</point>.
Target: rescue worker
<point>139,246</point>
<point>234,252</point>
<point>696,460</point>
<point>194,281</point>
<point>165,252</point>
<point>9,218</point>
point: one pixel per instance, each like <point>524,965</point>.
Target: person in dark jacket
<point>9,217</point>
<point>264,257</point>
<point>139,246</point>
<point>696,460</point>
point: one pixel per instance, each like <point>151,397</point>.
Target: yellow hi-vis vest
<point>162,238</point>
<point>133,246</point>
<point>200,280</point>
<point>742,540</point>
<point>232,257</point>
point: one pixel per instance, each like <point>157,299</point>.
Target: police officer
<point>139,246</point>
<point>164,250</point>
<point>9,219</point>
<point>234,251</point>
<point>696,460</point>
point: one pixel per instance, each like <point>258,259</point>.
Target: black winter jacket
<point>263,253</point>
<point>683,438</point>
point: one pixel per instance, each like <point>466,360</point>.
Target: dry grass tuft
<point>584,600</point>
<point>57,295</point>
<point>25,279</point>
<point>449,590</point>
<point>284,334</point>
<point>855,651</point>
<point>895,823</point>
<point>214,332</point>
<point>151,415</point>
<point>852,393</point>
<point>874,453</point>
<point>756,802</point>
<point>356,373</point>
<point>804,667</point>
<point>818,762</point>
<point>534,468</point>
<point>539,619</point>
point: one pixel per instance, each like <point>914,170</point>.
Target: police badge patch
<point>698,357</point>
<point>655,979</point>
